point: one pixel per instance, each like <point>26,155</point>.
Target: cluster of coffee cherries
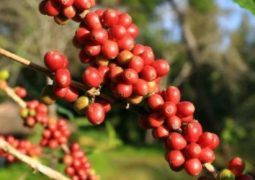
<point>172,120</point>
<point>34,112</point>
<point>77,165</point>
<point>57,63</point>
<point>235,170</point>
<point>24,146</point>
<point>64,10</point>
<point>55,134</point>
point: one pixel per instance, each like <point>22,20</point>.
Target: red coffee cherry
<point>172,94</point>
<point>124,90</point>
<point>126,43</point>
<point>92,49</point>
<point>117,32</point>
<point>193,131</point>
<point>91,77</point>
<point>185,108</point>
<point>207,155</point>
<point>216,141</point>
<point>55,60</point>
<point>141,87</point>
<point>110,49</point>
<point>155,120</point>
<point>66,3</point>
<point>82,34</point>
<point>63,78</point>
<point>173,122</point>
<point>98,36</point>
<point>133,30</point>
<point>95,113</point>
<point>69,12</point>
<point>130,76</point>
<point>206,139</point>
<point>161,66</point>
<point>110,17</point>
<point>175,158</point>
<point>83,4</point>
<point>147,55</point>
<point>60,92</point>
<point>124,57</point>
<point>92,21</point>
<point>160,132</point>
<point>52,8</point>
<point>155,101</point>
<point>176,141</point>
<point>148,73</point>
<point>168,109</point>
<point>193,166</point>
<point>136,63</point>
<point>71,94</point>
<point>193,150</point>
<point>138,49</point>
<point>236,165</point>
<point>20,91</point>
<point>125,20</point>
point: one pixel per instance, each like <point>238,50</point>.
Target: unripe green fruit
<point>24,113</point>
<point>4,74</point>
<point>81,103</point>
<point>226,174</point>
<point>32,112</point>
<point>48,97</point>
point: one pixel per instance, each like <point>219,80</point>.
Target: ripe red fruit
<point>185,108</point>
<point>110,17</point>
<point>60,92</point>
<point>141,87</point>
<point>106,105</point>
<point>124,90</point>
<point>136,63</point>
<point>42,7</point>
<point>216,141</point>
<point>130,76</point>
<point>193,167</point>
<point>133,30</point>
<point>148,73</point>
<point>92,21</point>
<point>175,158</point>
<point>71,94</point>
<point>52,8</point>
<point>98,36</point>
<point>63,78</point>
<point>172,94</point>
<point>95,113</point>
<point>193,131</point>
<point>207,155</point>
<point>206,140</point>
<point>91,77</point>
<point>138,49</point>
<point>115,73</point>
<point>92,49</point>
<point>66,3</point>
<point>155,101</point>
<point>176,141</point>
<point>21,92</point>
<point>69,12</point>
<point>82,35</point>
<point>55,60</point>
<point>147,55</point>
<point>117,32</point>
<point>173,122</point>
<point>125,20</point>
<point>160,132</point>
<point>110,49</point>
<point>161,66</point>
<point>193,150</point>
<point>124,57</point>
<point>236,165</point>
<point>168,109</point>
<point>83,4</point>
<point>126,43</point>
<point>155,120</point>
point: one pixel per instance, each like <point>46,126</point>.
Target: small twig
<point>52,174</point>
<point>11,93</point>
<point>65,148</point>
<point>211,169</point>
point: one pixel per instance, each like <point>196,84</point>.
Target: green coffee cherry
<point>81,103</point>
<point>32,112</point>
<point>4,74</point>
<point>226,174</point>
<point>24,113</point>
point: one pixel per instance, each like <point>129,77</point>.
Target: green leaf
<point>247,4</point>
